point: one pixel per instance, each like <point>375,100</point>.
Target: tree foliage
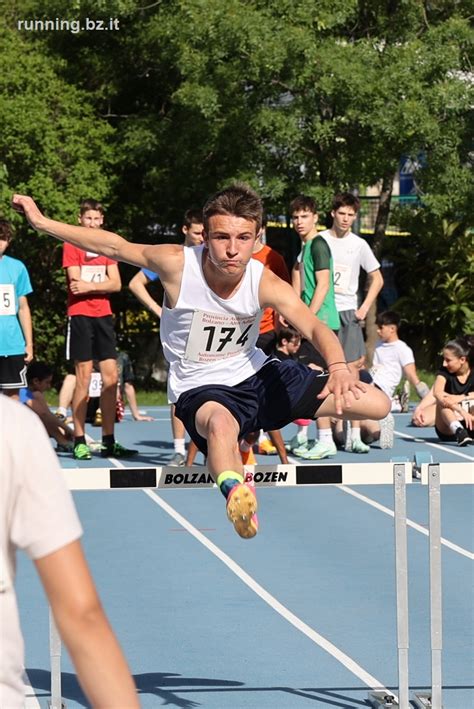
<point>313,96</point>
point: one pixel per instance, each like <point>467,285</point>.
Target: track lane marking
<point>434,445</point>
<point>284,612</point>
<point>414,525</point>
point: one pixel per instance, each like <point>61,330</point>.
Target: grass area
<point>427,377</point>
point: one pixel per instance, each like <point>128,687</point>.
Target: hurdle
<point>398,474</point>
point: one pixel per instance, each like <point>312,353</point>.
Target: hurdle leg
<point>401,571</point>
<point>434,701</point>
<point>381,699</point>
<point>56,701</point>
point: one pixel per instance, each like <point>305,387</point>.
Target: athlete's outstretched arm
<point>100,241</point>
<point>280,296</point>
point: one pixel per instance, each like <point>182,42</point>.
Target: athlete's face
<point>344,218</point>
<point>230,241</point>
<point>386,332</point>
<point>92,219</point>
<point>4,243</point>
<point>42,385</point>
<point>304,222</point>
<point>193,235</point>
<point>453,364</point>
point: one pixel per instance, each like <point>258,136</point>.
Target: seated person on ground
<point>454,392</point>
<point>393,358</point>
<point>425,412</point>
<point>39,378</point>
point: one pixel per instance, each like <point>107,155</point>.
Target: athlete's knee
<point>109,380</point>
<point>380,403</point>
<point>213,419</point>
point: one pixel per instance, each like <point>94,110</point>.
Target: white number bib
<point>95,386</point>
<point>217,336</point>
<point>342,277</point>
<point>93,274</point>
<point>7,299</point>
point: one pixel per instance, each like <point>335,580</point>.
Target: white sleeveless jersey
<point>207,339</point>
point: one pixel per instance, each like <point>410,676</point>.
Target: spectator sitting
<point>393,358</point>
<point>425,412</point>
<point>126,377</point>
<point>39,377</point>
<point>287,344</point>
<point>454,392</point>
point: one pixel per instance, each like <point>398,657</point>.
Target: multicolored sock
<point>227,480</point>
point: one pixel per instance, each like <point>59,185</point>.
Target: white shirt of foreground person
<point>37,515</point>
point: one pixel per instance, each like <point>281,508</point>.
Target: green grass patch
<point>144,398</point>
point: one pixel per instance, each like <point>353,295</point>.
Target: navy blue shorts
<point>277,394</point>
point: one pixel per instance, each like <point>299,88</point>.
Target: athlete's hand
<point>418,417</point>
<point>78,287</point>
<point>28,354</point>
<point>361,313</point>
<point>139,417</point>
<point>25,205</point>
<point>343,384</point>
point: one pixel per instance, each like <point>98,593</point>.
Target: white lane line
<point>435,445</point>
<point>410,523</point>
<point>300,625</point>
<point>388,511</point>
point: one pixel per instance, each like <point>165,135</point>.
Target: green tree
<point>313,96</point>
<point>51,146</point>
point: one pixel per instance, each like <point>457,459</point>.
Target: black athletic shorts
<point>12,371</point>
<point>90,338</point>
<point>277,394</point>
<point>445,436</point>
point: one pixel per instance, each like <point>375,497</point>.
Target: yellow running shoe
<point>242,510</point>
<point>266,447</point>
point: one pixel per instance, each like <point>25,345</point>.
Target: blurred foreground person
<point>38,516</point>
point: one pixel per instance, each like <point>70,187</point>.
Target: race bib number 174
<point>217,336</point>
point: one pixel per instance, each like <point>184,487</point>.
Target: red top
<point>275,262</point>
<point>93,268</point>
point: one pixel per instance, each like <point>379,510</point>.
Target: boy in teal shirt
<point>16,331</point>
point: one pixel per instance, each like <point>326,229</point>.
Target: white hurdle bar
<point>397,474</point>
<point>168,478</point>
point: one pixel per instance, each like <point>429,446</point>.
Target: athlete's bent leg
<point>220,429</point>
<point>372,404</point>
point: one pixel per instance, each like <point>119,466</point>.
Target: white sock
<point>325,435</point>
<point>262,436</point>
<point>355,434</point>
<point>179,446</point>
<point>302,431</point>
<point>454,425</point>
<point>244,446</point>
<point>61,410</point>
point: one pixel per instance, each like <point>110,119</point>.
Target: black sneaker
<point>463,437</point>
<point>117,451</point>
